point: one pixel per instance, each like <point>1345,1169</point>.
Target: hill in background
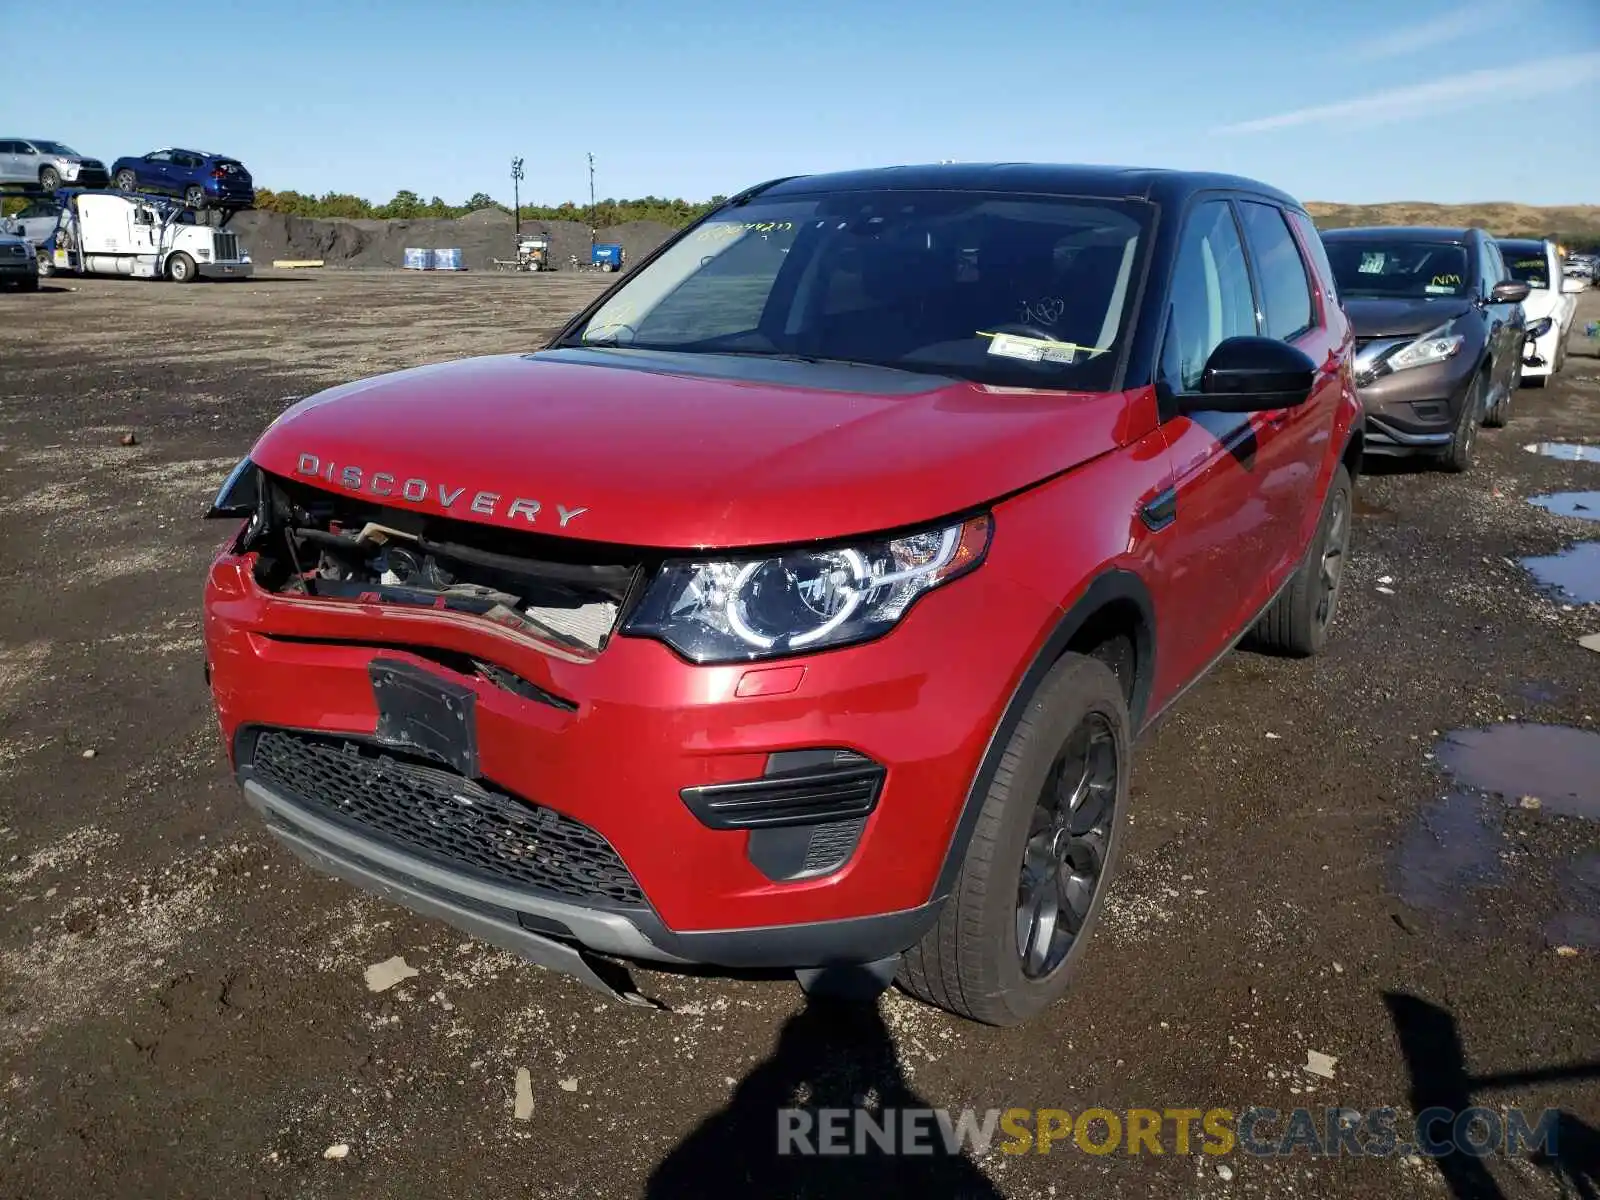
<point>288,226</point>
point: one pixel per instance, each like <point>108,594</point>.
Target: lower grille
<point>442,816</point>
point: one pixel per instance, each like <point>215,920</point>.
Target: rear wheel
<point>47,265</point>
<point>1464,439</point>
<point>180,268</point>
<point>1034,877</point>
<point>127,181</point>
<point>1297,623</point>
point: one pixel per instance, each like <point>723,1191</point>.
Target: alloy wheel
<point>1334,546</point>
<point>1069,836</point>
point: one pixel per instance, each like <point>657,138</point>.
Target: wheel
<point>1034,877</point>
<point>194,196</point>
<point>1297,624</point>
<point>127,181</point>
<point>1497,416</point>
<point>47,265</point>
<point>1464,438</point>
<point>180,268</point>
<point>49,178</point>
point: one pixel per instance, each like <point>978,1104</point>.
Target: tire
<point>180,268</point>
<point>194,197</point>
<point>1497,416</point>
<point>47,265</point>
<point>1297,624</point>
<point>49,179</point>
<point>1464,438</point>
<point>126,181</point>
<point>970,962</point>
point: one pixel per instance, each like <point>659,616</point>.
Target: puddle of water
<point>1583,505</point>
<point>1570,451</point>
<point>1556,763</point>
<point>1573,574</point>
<point>1578,925</point>
<point>1454,845</point>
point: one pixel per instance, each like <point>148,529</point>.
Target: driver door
<point>1215,562</point>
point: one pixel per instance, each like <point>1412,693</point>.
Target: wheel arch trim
<point>1112,587</point>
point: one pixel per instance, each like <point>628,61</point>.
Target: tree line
<point>408,205</point>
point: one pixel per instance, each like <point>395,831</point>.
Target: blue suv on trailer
<point>199,178</point>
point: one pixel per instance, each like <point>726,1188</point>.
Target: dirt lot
<point>183,1009</point>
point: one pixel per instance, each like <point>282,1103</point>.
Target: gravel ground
<point>185,1011</point>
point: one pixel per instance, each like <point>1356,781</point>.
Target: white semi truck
<point>121,233</point>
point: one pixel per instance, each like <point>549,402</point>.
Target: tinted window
<point>1210,298</point>
<point>1380,268</point>
<point>1494,268</point>
<point>1002,289</point>
<point>54,148</point>
<point>159,156</point>
<point>1280,272</point>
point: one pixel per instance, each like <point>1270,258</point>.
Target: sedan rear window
<point>1014,290</point>
<point>1401,270</point>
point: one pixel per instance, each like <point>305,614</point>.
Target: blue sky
<point>1358,101</point>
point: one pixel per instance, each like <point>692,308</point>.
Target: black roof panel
<point>1061,179</point>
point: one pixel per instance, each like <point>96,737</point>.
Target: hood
<point>1401,318</point>
<point>1543,302</point>
<point>684,451</point>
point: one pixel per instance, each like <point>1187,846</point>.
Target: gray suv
<point>49,165</point>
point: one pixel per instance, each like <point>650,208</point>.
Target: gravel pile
<point>481,237</point>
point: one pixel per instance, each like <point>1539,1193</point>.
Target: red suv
<point>799,604</point>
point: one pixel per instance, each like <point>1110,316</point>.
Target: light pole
<point>516,190</point>
<point>592,233</point>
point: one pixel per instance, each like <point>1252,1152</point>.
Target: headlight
<point>728,610</point>
<point>1434,346</point>
<point>239,494</point>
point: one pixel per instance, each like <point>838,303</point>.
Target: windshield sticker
<point>1439,289</point>
<point>1027,349</point>
<point>1529,264</point>
<point>1371,262</point>
<point>1445,282</point>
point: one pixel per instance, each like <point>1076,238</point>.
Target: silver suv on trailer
<point>37,162</point>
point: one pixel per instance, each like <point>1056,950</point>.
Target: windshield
<point>1399,270</point>
<point>1012,290</point>
<point>1527,264</point>
<point>54,148</point>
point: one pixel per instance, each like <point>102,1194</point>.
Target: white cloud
<point>1498,84</point>
<point>1425,35</point>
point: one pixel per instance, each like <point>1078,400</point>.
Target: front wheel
<point>180,268</point>
<point>127,181</point>
<point>1497,416</point>
<point>1464,438</point>
<point>1034,876</point>
<point>49,179</point>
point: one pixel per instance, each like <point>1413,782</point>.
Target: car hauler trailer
<point>125,233</point>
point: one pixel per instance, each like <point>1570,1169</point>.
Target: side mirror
<point>1252,374</point>
<point>1538,328</point>
<point>1509,291</point>
<point>1572,284</point>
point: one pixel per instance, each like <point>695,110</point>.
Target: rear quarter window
<point>1311,242</point>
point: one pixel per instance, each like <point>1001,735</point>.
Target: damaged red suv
<point>798,606</point>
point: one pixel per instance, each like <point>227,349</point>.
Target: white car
<point>1536,262</point>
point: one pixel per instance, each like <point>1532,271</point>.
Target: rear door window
<point>1285,290</point>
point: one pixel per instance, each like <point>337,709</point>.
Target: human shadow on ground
<point>1436,1059</point>
<point>830,1055</point>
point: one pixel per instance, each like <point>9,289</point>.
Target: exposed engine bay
<point>322,544</point>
